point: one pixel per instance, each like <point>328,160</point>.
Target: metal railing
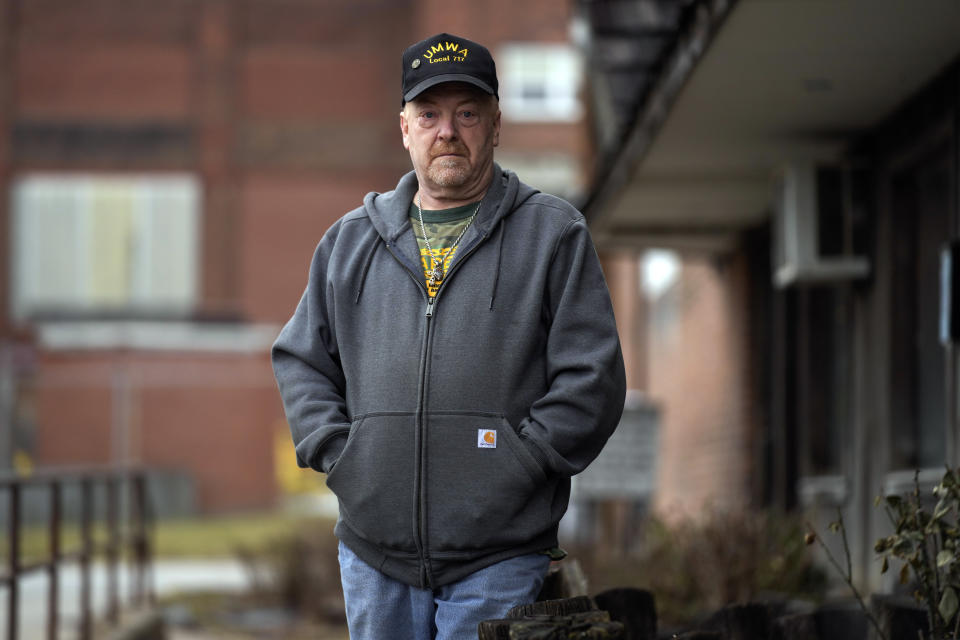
<point>122,487</point>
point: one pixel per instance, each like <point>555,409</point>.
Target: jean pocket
<point>485,490</point>
<point>373,479</point>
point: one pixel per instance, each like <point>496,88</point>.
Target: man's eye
<point>428,114</point>
<point>469,114</point>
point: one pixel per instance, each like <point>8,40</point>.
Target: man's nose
<point>448,127</point>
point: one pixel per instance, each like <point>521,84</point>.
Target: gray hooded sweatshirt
<point>449,428</point>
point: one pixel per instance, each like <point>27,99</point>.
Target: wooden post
<point>634,608</point>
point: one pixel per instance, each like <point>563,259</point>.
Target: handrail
<point>136,541</point>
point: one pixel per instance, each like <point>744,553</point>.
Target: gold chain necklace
<point>436,268</point>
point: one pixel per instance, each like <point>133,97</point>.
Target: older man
<point>452,363</point>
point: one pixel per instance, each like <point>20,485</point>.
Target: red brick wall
<point>103,80</point>
<point>622,272</point>
<point>210,415</point>
<point>73,420</point>
<point>221,431</point>
<point>291,212</point>
<point>495,20</point>
<point>698,370</point>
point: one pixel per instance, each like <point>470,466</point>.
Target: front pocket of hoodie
<point>484,488</point>
<point>373,479</point>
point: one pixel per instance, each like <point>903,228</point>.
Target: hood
<point>389,212</point>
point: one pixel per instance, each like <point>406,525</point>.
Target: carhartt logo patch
<point>487,438</point>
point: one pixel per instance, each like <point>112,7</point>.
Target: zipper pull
<point>430,306</point>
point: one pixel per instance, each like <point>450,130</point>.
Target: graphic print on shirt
<point>443,228</point>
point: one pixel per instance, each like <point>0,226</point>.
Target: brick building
<point>167,169</point>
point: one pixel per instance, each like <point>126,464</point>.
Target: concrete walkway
<point>169,576</point>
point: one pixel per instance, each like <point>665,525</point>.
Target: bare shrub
<point>298,571</point>
<point>696,565</point>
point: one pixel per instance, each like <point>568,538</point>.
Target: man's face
<point>450,131</point>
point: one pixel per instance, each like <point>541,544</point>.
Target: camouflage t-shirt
<point>443,227</point>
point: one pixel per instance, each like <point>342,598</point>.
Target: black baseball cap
<point>447,58</point>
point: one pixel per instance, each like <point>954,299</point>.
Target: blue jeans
<point>381,608</point>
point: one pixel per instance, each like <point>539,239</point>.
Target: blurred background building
<point>770,183</point>
<point>167,170</point>
<point>801,160</point>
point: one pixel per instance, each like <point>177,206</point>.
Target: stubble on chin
<point>447,172</point>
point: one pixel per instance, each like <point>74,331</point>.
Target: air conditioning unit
<point>818,224</point>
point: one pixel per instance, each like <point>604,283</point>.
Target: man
<point>452,362</point>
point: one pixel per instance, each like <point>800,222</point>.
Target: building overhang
<point>743,88</point>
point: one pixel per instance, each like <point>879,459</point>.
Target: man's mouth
<point>448,153</point>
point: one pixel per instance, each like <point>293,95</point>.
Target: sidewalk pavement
<point>169,577</point>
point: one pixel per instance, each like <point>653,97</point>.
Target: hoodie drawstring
<point>496,274</point>
<point>366,265</point>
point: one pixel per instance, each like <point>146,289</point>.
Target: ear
<point>405,129</point>
<point>496,129</point>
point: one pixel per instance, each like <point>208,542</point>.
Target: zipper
<point>418,518</point>
<point>420,506</point>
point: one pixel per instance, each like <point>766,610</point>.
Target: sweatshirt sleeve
<point>570,424</point>
<point>306,363</point>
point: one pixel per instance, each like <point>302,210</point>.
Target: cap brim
<point>422,86</point>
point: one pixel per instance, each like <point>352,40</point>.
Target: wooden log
<point>501,629</point>
<point>844,623</point>
<point>494,629</point>
<point>634,608</point>
<point>799,626</point>
<point>899,617</point>
<point>750,621</point>
<point>596,616</point>
<point>537,630</point>
<point>597,631</point>
<point>560,607</point>
<point>584,625</point>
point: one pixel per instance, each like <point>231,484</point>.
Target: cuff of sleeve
<point>330,452</point>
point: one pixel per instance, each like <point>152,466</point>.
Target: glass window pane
<point>105,244</point>
<point>540,82</point>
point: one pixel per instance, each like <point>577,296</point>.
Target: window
<point>540,82</point>
<point>94,245</point>
<point>823,359</point>
<point>920,196</point>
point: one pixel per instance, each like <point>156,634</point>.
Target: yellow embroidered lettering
<point>440,47</point>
